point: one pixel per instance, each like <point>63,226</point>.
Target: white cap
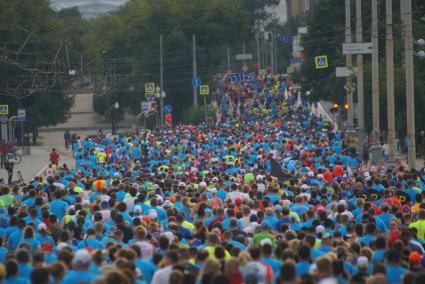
<point>159,198</point>
<point>265,241</point>
<point>167,204</point>
<point>320,176</point>
<point>305,186</point>
<point>362,261</point>
<point>212,190</point>
<point>81,257</point>
<point>152,214</point>
<point>202,184</point>
<point>138,208</point>
<point>169,236</point>
<point>310,174</point>
<point>215,179</point>
<point>41,227</point>
<point>259,177</point>
<point>182,184</point>
<point>320,229</point>
<point>61,246</point>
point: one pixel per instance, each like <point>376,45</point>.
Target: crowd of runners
<point>199,204</point>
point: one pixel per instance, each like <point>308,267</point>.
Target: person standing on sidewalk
<point>423,143</point>
<point>3,152</point>
<point>8,166</point>
<point>67,138</point>
<point>54,157</point>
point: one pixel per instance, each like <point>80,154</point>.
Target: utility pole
<point>243,51</point>
<point>257,39</point>
<point>228,57</point>
<point>360,87</point>
<point>376,150</point>
<point>349,64</point>
<point>276,65</point>
<point>161,80</point>
<point>410,91</point>
<point>272,52</point>
<point>195,88</point>
<point>81,68</point>
<point>390,80</point>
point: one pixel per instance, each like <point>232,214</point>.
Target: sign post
<point>357,48</point>
<point>204,90</point>
<point>321,61</point>
<point>196,81</point>
<point>346,71</point>
<point>4,111</point>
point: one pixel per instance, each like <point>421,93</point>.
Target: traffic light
<point>346,106</point>
<point>153,107</point>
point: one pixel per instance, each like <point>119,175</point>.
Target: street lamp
<point>420,53</point>
<point>160,95</point>
<point>420,42</point>
<point>115,117</point>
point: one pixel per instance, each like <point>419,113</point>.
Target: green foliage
<point>34,59</point>
<point>196,115</point>
<point>130,41</point>
<point>326,25</point>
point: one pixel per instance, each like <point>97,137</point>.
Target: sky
<point>60,4</point>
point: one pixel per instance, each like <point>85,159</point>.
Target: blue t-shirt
<point>395,274</point>
<point>81,277</point>
<point>302,267</point>
<point>58,207</point>
<point>16,280</point>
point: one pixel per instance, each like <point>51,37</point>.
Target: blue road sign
<point>168,109</point>
<point>196,81</point>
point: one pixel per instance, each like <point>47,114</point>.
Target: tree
<point>34,59</point>
<point>130,38</point>
<point>326,35</point>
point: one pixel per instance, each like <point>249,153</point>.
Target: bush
<point>100,104</point>
<point>196,115</point>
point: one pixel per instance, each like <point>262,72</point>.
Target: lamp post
<point>161,95</point>
<point>115,117</point>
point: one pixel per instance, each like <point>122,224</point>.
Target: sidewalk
<point>323,106</point>
<point>35,164</point>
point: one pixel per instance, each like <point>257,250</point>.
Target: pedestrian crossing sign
<point>321,61</point>
<point>204,90</point>
<point>150,88</point>
<point>4,109</point>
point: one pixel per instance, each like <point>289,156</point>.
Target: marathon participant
<point>199,204</point>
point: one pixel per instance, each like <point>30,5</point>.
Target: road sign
<point>204,90</point>
<point>321,61</point>
<point>145,106</point>
<point>196,81</point>
<point>262,71</point>
<point>348,89</point>
<point>357,48</point>
<point>168,109</point>
<point>150,88</point>
<point>71,72</point>
<point>4,109</point>
<point>289,69</point>
<point>22,114</point>
<point>287,40</point>
<point>346,72</point>
<point>244,56</point>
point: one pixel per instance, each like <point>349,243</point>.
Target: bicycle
<point>14,157</point>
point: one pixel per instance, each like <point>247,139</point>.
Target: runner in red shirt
<point>54,157</point>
